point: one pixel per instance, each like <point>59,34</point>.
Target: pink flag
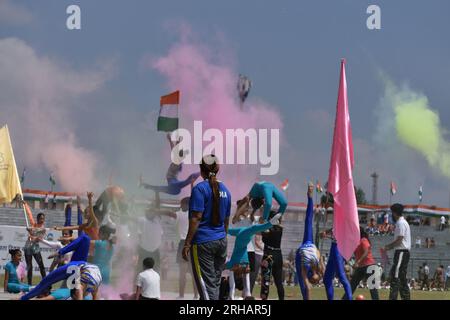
<point>340,180</point>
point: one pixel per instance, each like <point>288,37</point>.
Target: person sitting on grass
<point>148,282</point>
<point>12,282</point>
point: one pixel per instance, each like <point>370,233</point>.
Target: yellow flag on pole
<point>9,177</point>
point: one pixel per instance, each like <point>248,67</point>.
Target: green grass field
<point>293,293</point>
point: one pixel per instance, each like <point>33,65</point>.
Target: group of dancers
<point>72,254</point>
<point>308,260</point>
<point>80,279</point>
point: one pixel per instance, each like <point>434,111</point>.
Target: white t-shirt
<point>426,270</point>
<point>261,243</point>
<point>149,282</point>
<point>402,229</point>
<point>442,220</point>
<point>243,224</point>
<point>182,224</point>
<point>151,233</point>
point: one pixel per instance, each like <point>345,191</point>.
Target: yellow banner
<point>9,178</point>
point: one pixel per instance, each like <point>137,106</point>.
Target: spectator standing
<point>421,277</point>
<point>54,202</point>
<point>418,242</point>
<point>442,225</point>
<point>150,235</point>
<point>426,277</point>
<point>447,278</point>
<point>402,247</point>
<point>46,199</point>
<point>439,278</point>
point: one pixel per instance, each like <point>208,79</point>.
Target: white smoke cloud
<point>38,98</point>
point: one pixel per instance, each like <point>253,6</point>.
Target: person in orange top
<point>36,230</point>
<point>363,260</point>
<point>90,226</point>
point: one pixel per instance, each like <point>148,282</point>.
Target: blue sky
<point>290,49</point>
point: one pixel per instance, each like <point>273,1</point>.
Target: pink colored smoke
<point>208,93</point>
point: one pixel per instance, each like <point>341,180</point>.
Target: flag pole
<point>316,194</point>
<point>17,177</point>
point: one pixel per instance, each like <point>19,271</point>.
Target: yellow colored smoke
<point>418,126</point>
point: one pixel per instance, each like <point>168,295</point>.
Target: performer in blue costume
<point>174,186</point>
<point>335,268</point>
<point>90,279</point>
<point>80,248</point>
<point>239,262</point>
<point>68,213</point>
<point>262,193</point>
<point>308,262</point>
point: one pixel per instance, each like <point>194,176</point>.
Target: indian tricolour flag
<point>393,188</point>
<point>319,188</point>
<point>285,185</point>
<point>168,114</point>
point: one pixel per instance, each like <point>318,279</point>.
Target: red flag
<point>340,180</point>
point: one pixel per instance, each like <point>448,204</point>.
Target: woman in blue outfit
<point>308,262</point>
<point>262,193</point>
<point>174,186</point>
<point>80,247</point>
<point>239,263</point>
<point>206,240</point>
<point>335,268</point>
<point>90,280</point>
<point>12,282</point>
<point>103,252</point>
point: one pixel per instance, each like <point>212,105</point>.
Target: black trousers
<point>29,261</point>
<point>362,274</point>
<point>274,268</point>
<point>399,270</point>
